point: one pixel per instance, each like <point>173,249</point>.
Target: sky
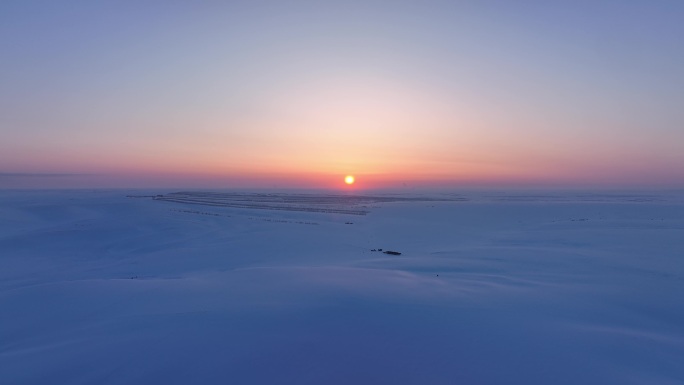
<point>298,94</point>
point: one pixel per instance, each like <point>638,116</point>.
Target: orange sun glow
<point>349,179</point>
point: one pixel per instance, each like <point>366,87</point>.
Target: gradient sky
<point>298,94</point>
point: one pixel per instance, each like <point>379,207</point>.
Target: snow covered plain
<point>100,288</point>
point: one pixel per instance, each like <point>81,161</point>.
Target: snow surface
<point>100,288</point>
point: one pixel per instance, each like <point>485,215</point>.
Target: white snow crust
<point>101,287</point>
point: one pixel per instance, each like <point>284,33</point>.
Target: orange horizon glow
<point>381,169</point>
<point>370,129</point>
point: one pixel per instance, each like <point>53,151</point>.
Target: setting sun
<point>349,179</point>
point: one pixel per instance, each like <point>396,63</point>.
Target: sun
<point>349,179</point>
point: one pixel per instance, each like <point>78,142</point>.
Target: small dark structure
<point>392,252</point>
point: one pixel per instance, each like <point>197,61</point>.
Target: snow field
<point>99,288</point>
